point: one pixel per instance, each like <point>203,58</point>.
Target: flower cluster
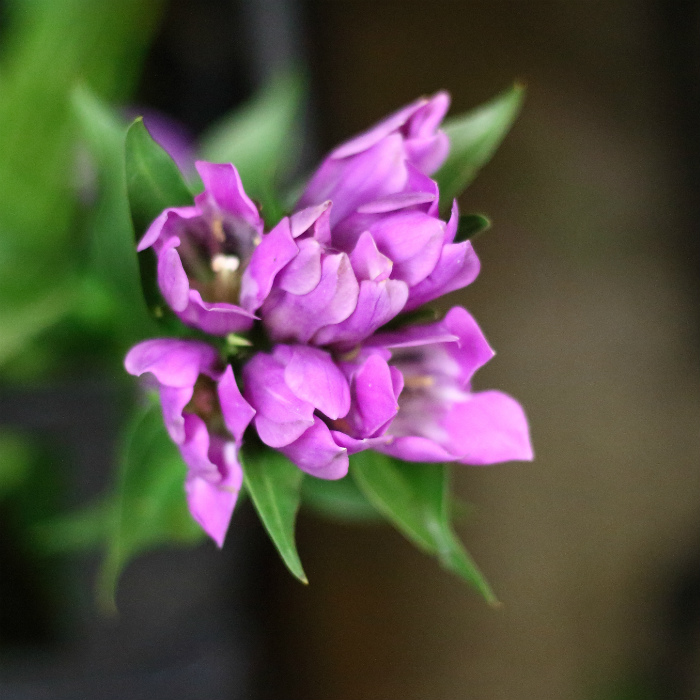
<point>364,244</point>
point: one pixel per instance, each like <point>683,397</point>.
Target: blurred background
<point>588,291</point>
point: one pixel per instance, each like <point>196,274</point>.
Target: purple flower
<point>371,240</point>
<point>379,162</point>
<point>205,253</point>
<point>440,418</point>
<point>325,296</point>
<point>205,416</point>
<point>405,393</point>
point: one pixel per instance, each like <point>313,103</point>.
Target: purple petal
<point>428,154</point>
<point>289,317</point>
<point>367,262</point>
<point>374,402</point>
<point>354,445</point>
<point>429,116</point>
<point>412,240</point>
<point>303,273</point>
<point>312,376</point>
<point>413,448</point>
<point>355,181</point>
<point>163,221</point>
<point>237,412</point>
<point>281,416</point>
<point>394,202</point>
<point>458,266</point>
<point>174,363</point>
<point>195,449</point>
<point>276,249</point>
<point>218,318</point>
<point>302,221</point>
<point>377,304</point>
<point>489,427</point>
<point>414,336</point>
<point>316,453</point>
<point>212,492</point>
<point>223,185</point>
<point>211,506</point>
<point>173,401</point>
<point>471,351</point>
<point>172,278</point>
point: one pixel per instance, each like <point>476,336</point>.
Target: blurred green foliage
<point>49,46</point>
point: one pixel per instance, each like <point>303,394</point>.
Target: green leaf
<point>474,138</point>
<point>415,498</point>
<point>150,508</point>
<point>340,499</point>
<point>274,485</point>
<point>153,181</point>
<point>470,226</point>
<point>24,318</point>
<point>16,455</point>
<point>153,184</point>
<point>77,531</point>
<point>261,139</point>
<point>113,251</point>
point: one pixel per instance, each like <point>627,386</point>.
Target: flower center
<point>205,404</point>
<point>215,251</point>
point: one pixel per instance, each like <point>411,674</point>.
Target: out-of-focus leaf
<point>153,184</point>
<point>340,499</point>
<point>48,46</point>
<point>274,485</point>
<point>22,319</point>
<point>113,251</point>
<point>16,456</point>
<point>474,138</point>
<point>470,226</point>
<point>150,508</point>
<point>261,139</point>
<point>78,531</point>
<point>415,498</point>
<point>153,181</point>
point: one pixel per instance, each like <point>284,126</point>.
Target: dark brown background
<point>588,293</point>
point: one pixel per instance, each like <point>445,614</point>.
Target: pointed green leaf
<point>274,485</point>
<point>150,508</point>
<point>474,138</point>
<point>153,184</point>
<point>470,226</point>
<point>261,139</point>
<point>77,531</point>
<point>415,498</point>
<point>25,316</point>
<point>340,499</point>
<point>112,246</point>
<point>153,181</point>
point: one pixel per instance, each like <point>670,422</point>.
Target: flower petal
<point>291,317</point>
<point>175,363</point>
<point>224,189</point>
<point>303,273</point>
<point>276,249</point>
<point>374,402</point>
<point>172,278</point>
<point>212,494</point>
<point>218,318</point>
<point>237,412</point>
<point>490,427</point>
<point>316,453</point>
<point>377,304</point>
<point>281,416</point>
<point>312,376</point>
